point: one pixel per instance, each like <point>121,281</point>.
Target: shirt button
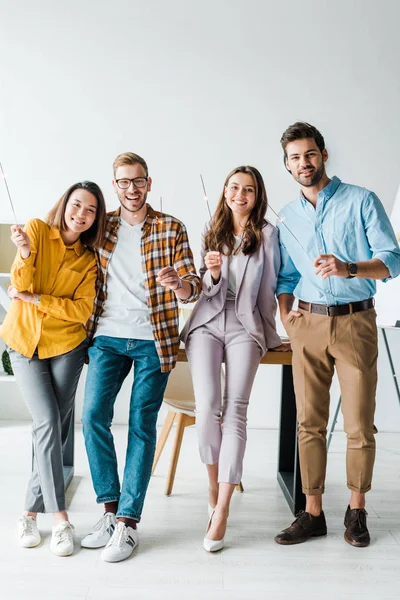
<point>208,299</point>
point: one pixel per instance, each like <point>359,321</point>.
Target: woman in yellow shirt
<point>53,287</point>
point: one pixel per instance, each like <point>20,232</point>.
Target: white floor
<point>170,561</point>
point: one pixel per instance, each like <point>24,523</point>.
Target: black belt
<point>337,310</point>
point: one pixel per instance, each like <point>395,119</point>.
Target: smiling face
<point>240,194</point>
<point>80,212</point>
<point>306,162</point>
<point>132,199</point>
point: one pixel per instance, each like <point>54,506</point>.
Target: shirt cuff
<point>193,296</point>
<point>284,288</point>
<point>392,262</point>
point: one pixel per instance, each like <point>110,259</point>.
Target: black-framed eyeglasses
<point>139,182</point>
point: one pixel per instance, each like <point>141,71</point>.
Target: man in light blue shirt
<point>336,240</point>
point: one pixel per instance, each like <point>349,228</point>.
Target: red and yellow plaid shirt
<point>164,243</point>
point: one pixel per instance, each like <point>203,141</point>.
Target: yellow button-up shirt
<point>65,277</point>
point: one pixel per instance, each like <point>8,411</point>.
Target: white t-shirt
<point>232,271</point>
<point>125,313</point>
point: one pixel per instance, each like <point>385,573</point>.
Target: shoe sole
<point>319,533</point>
<point>217,548</point>
<point>355,544</point>
<point>117,559</point>
<point>94,547</point>
<point>62,554</point>
<point>35,545</point>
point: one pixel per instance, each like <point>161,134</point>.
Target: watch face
<point>353,268</point>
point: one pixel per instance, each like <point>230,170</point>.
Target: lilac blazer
<point>255,295</point>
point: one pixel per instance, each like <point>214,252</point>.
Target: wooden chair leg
<point>239,487</point>
<point>162,438</point>
<point>182,421</point>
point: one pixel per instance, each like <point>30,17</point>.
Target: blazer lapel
<point>242,265</point>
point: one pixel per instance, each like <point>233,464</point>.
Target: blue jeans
<point>110,362</point>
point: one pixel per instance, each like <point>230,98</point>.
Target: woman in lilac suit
<point>234,319</point>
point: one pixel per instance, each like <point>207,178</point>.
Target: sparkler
<point>160,221</point>
<point>205,195</point>
<point>209,212</point>
<point>291,232</point>
<point>8,192</point>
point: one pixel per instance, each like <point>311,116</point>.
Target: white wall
<point>196,87</point>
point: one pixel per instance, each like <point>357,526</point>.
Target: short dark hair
<point>93,237</point>
<point>300,131</point>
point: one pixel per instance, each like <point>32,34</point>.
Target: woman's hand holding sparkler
<point>213,262</point>
<point>21,240</point>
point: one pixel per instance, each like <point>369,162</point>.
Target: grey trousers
<point>48,387</point>
<point>221,427</point>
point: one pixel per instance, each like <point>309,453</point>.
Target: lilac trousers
<point>221,425</point>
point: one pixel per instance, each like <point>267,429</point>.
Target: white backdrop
<point>196,87</point>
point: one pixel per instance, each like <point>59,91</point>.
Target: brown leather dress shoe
<point>304,527</point>
<point>355,521</point>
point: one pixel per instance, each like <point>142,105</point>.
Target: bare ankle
<point>60,516</point>
<point>314,506</point>
<point>222,512</point>
<point>28,513</point>
<point>213,496</point>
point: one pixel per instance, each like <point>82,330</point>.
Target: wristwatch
<point>352,269</point>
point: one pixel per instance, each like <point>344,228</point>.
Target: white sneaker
<point>29,535</point>
<point>62,540</point>
<point>122,543</point>
<point>102,532</point>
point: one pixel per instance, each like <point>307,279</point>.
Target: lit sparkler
<point>209,212</point>
<point>160,221</point>
<point>205,195</point>
<point>282,220</point>
<point>8,192</point>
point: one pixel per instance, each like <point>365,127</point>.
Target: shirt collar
<point>56,234</point>
<point>152,217</point>
<point>327,192</point>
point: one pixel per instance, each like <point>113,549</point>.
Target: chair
<point>179,399</point>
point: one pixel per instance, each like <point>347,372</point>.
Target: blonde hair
<point>129,158</point>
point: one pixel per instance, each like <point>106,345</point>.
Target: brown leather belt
<point>337,310</point>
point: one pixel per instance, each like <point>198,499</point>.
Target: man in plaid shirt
<point>145,267</point>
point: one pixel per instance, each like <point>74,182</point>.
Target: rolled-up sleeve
<point>185,267</point>
<point>288,276</point>
<point>23,269</point>
<point>381,236</point>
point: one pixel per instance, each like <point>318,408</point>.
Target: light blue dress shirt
<point>349,222</point>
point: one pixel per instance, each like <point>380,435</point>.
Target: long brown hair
<point>221,237</point>
<point>94,236</point>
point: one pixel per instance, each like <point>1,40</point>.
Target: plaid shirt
<point>164,243</point>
